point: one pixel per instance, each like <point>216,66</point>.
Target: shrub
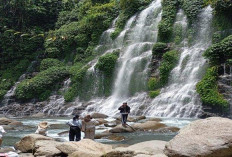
<point>192,8</point>
<point>50,62</point>
<point>169,61</point>
<point>168,17</point>
<point>107,63</point>
<point>153,83</point>
<point>159,49</point>
<point>219,53</point>
<point>52,52</point>
<point>45,80</point>
<point>208,90</point>
<point>154,94</point>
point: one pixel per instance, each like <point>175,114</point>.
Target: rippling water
<point>13,136</point>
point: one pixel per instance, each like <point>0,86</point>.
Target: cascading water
<point>179,98</point>
<point>135,43</point>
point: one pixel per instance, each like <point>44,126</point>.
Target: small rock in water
<point>98,115</point>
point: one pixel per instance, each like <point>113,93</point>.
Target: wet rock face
<point>211,137</point>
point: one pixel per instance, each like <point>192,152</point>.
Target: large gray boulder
<point>121,129</point>
<point>6,121</point>
<point>144,149</point>
<point>84,148</point>
<point>211,137</point>
<point>98,115</point>
<point>27,143</point>
<point>148,126</point>
<point>46,148</point>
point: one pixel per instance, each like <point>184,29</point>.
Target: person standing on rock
<point>75,128</point>
<point>124,110</point>
<point>1,134</point>
<point>88,127</point>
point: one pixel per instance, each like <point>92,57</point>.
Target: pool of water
<point>13,136</point>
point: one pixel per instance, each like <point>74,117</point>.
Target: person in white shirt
<point>2,131</point>
<point>42,128</point>
<point>75,128</point>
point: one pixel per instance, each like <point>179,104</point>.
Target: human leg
<point>71,134</point>
<point>78,134</point>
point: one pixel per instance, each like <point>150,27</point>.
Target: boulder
<point>6,121</point>
<point>84,148</point>
<point>211,137</point>
<point>148,125</point>
<point>5,150</point>
<point>16,123</point>
<point>136,118</point>
<point>120,154</point>
<point>98,115</point>
<point>155,119</point>
<point>101,121</point>
<point>26,144</point>
<point>7,127</point>
<point>154,147</point>
<point>46,148</point>
<point>121,129</point>
<point>102,135</point>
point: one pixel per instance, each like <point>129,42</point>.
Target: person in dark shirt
<point>124,110</point>
<point>75,128</point>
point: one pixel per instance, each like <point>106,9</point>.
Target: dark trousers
<point>124,118</point>
<point>74,133</point>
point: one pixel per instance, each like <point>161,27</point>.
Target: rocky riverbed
<point>211,137</point>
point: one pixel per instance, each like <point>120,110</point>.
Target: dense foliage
<point>38,86</point>
<point>106,63</point>
<point>220,52</point>
<point>208,90</point>
<point>169,61</point>
<point>50,62</point>
<point>191,8</point>
<point>170,8</point>
<point>159,49</point>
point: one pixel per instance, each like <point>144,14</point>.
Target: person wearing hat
<point>42,128</point>
<point>1,134</point>
<point>124,110</point>
<point>88,127</point>
<point>75,128</point>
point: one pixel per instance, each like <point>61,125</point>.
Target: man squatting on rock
<point>124,110</point>
<point>75,128</point>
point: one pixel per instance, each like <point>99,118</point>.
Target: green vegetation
<point>220,52</point>
<point>154,94</point>
<point>127,9</point>
<point>159,49</point>
<point>50,62</point>
<point>40,85</point>
<point>208,90</point>
<point>77,75</point>
<point>169,61</point>
<point>170,8</point>
<point>106,63</point>
<point>153,84</point>
<point>191,8</point>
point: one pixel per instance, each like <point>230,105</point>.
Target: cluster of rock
<point>211,137</point>
<point>38,145</point>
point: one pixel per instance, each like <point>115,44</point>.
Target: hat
<point>43,124</point>
<point>87,118</point>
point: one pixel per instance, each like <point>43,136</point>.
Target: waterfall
<point>135,43</point>
<point>179,98</point>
